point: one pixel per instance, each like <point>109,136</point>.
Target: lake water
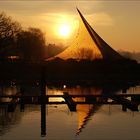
<point>57,122</point>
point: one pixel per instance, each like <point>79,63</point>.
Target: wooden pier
<point>120,99</point>
<point>132,105</point>
<point>12,104</point>
<point>69,101</point>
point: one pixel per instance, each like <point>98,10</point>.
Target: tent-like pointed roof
<point>88,45</point>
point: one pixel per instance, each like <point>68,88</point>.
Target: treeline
<point>58,71</point>
<point>89,70</point>
<point>131,55</point>
<point>28,45</point>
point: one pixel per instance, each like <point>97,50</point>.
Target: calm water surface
<point>100,122</point>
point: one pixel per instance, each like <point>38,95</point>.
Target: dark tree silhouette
<point>32,44</point>
<point>8,32</point>
<point>85,53</point>
<point>53,49</point>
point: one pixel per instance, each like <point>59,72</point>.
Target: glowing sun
<point>64,30</point>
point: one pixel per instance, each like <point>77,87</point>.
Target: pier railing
<point>121,99</point>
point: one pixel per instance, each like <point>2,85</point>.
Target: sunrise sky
<point>117,22</point>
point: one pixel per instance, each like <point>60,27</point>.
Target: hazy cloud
<point>100,19</point>
<point>117,21</point>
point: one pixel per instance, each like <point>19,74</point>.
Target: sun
<point>64,30</point>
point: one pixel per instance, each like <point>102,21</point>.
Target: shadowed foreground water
<point>100,122</point>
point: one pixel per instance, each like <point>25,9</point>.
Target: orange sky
<point>117,22</point>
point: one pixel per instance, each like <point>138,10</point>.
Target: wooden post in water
<point>43,101</point>
<point>43,119</point>
<point>12,104</point>
<point>43,84</point>
<point>124,108</point>
<point>22,107</point>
